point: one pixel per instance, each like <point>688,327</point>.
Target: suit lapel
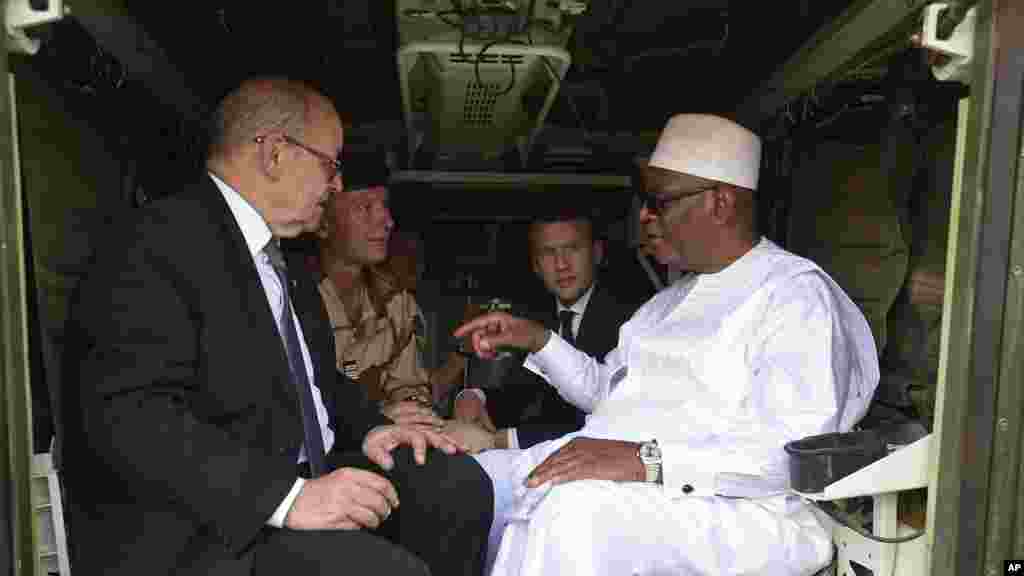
<point>550,315</point>
<point>263,334</point>
<point>591,318</point>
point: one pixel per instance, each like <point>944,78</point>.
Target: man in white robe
<point>680,468</point>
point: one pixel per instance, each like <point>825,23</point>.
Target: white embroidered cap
<point>709,147</point>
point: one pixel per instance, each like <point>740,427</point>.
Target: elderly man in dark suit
<point>210,432</point>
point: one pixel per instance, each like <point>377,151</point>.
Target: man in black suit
<point>209,431</point>
<point>565,254</point>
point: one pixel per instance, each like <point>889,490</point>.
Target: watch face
<point>649,450</point>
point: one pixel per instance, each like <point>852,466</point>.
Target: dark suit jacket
<point>183,425</point>
<point>554,416</point>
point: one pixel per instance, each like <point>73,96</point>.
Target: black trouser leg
<point>445,509</point>
<point>332,552</point>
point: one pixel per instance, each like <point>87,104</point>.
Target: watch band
<point>653,472</point>
<point>650,455</point>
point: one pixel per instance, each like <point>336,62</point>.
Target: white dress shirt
<point>257,233</point>
<point>578,307</point>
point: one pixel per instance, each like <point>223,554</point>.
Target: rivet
<point>1004,424</point>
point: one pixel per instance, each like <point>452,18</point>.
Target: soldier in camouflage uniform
<point>376,321</point>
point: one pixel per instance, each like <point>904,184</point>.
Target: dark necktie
<point>314,442</point>
<point>565,322</point>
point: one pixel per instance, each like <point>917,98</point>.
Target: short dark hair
<point>555,204</point>
<point>363,169</point>
<point>565,212</point>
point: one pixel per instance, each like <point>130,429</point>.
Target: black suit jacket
<point>183,424</point>
<point>554,416</point>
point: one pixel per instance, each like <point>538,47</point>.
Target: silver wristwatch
<point>650,455</point>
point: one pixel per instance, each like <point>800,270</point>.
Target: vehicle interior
<point>891,135</point>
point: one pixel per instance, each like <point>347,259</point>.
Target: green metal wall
<point>977,508</point>
<point>70,181</point>
<point>18,545</point>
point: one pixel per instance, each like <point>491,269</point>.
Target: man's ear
<point>535,265</point>
<point>271,157</point>
<point>723,207</point>
<point>598,252</point>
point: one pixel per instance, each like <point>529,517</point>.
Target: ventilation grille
<point>478,105</point>
<point>486,58</point>
<point>483,108</point>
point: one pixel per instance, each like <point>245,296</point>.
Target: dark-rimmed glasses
<point>332,164</point>
<point>657,205</point>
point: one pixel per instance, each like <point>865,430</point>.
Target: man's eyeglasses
<point>332,164</point>
<point>657,205</point>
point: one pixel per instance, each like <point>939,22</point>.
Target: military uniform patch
<point>351,369</point>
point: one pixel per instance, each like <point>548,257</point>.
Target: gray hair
<point>255,108</point>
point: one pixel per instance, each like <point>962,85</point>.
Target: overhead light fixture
<point>479,77</point>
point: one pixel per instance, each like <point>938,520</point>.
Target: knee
<point>456,478</point>
<point>569,525</point>
<point>571,512</point>
<point>575,501</point>
<point>470,483</point>
<point>398,560</point>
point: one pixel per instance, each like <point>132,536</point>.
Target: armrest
<point>904,469</point>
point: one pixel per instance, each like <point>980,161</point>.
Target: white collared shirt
<point>578,307</point>
<point>257,233</point>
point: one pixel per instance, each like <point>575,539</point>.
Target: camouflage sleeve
<point>405,375</point>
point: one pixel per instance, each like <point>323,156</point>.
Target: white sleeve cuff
<point>277,519</point>
<point>685,474</point>
<point>479,394</point>
<point>539,362</point>
<point>577,377</point>
<point>513,439</point>
<point>706,471</point>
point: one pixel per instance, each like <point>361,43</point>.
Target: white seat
<point>49,508</point>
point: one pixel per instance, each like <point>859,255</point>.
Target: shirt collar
<point>254,228</point>
<point>580,306</point>
<point>733,274</point>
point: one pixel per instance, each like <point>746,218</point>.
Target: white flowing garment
<point>722,370</point>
